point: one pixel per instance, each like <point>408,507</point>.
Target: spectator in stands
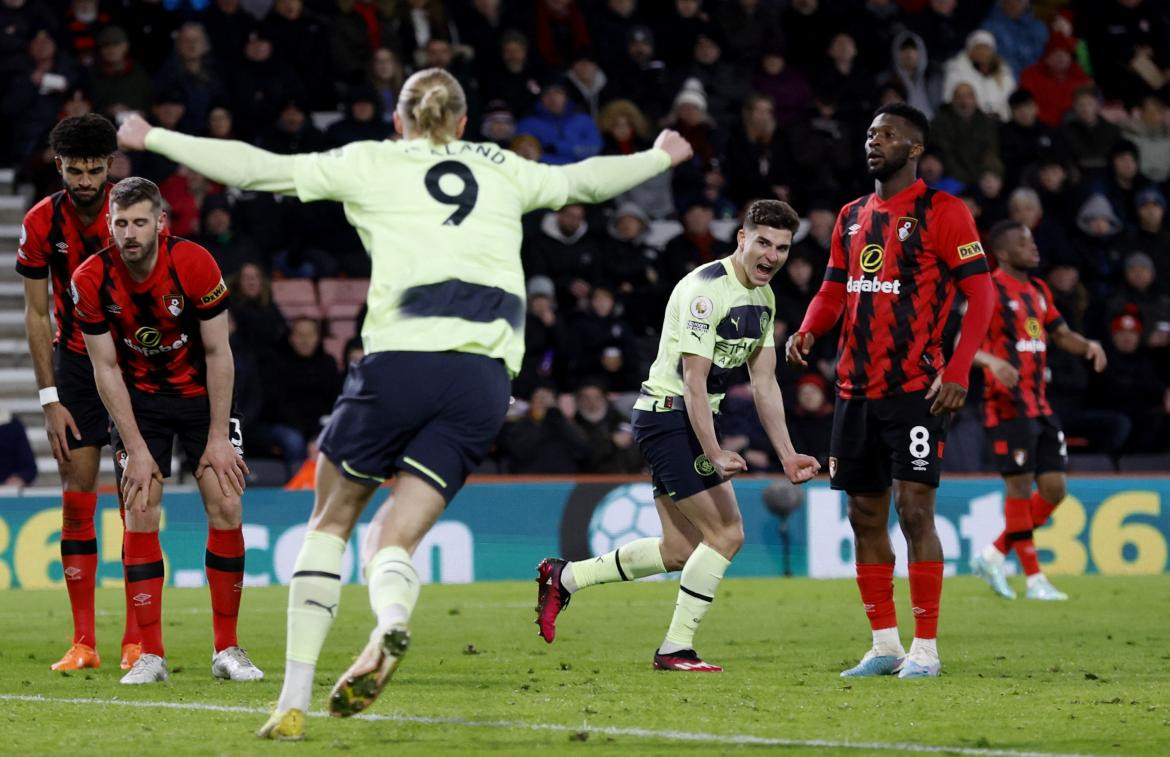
<point>1088,136</point>
<point>566,136</point>
<point>386,77</point>
<point>933,171</point>
<point>606,344</point>
<point>1128,41</point>
<point>689,117</point>
<point>513,78</point>
<point>846,80</point>
<point>228,25</point>
<point>756,161</point>
<point>83,20</point>
<point>349,43</point>
<point>911,70</point>
<point>610,436</point>
<point>1150,132</point>
<point>230,249</point>
<point>1051,240</point>
<point>299,40</point>
<point>794,287</point>
<point>1140,293</point>
<point>559,32</point>
<point>1019,35</point>
<point>35,92</point>
<point>543,440</point>
<point>696,244</point>
<point>481,24</point>
<point>151,25</point>
<point>191,71</point>
<point>18,465</point>
<point>811,418</point>
<point>679,28</point>
<point>302,382</point>
<point>526,146</point>
<point>1130,385</point>
<point>624,130</point>
<point>1097,258</point>
<point>260,84</point>
<point>1054,182</point>
<point>825,158</point>
<point>808,25</point>
<point>942,27</point>
<point>632,268</point>
<point>221,124</point>
<point>249,397</point>
<point>1023,137</point>
<point>787,87</point>
<point>259,320</point>
<point>1123,180</point>
<point>609,28</point>
<point>740,429</point>
<point>723,84</point>
<point>1149,234</point>
<point>585,83</point>
<point>981,66</point>
<point>546,341</point>
<point>1055,79</point>
<point>117,81</point>
<point>966,137</point>
<point>641,77</point>
<point>564,251</point>
<point>441,52</point>
<point>362,121</point>
<point>499,123</point>
<point>750,23</point>
<point>293,131</point>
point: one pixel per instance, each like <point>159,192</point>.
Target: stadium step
<point>12,208</point>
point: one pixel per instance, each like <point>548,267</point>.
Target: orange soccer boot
<point>79,656</point>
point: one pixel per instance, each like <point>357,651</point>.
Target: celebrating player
<point>441,220</point>
<point>59,233</point>
<point>1026,439</point>
<point>719,317</point>
<point>896,258</point>
<point>153,311</point>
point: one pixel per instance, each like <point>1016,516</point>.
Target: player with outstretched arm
<point>896,259</point>
<point>1027,442</point>
<point>154,312</point>
<point>440,218</point>
<point>719,317</point>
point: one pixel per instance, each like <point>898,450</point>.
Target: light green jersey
<point>441,224</point>
<point>710,314</point>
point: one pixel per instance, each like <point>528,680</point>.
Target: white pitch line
<point>691,736</point>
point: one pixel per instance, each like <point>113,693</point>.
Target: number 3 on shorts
<point>919,441</point>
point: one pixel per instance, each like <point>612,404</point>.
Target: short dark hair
<point>997,236</point>
<point>774,213</point>
<point>1020,97</point>
<point>916,117</point>
<point>133,190</point>
<point>89,136</point>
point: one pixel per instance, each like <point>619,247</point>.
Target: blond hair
<point>432,102</point>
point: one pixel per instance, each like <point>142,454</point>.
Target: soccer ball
<point>626,513</point>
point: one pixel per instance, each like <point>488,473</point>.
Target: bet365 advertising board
<point>500,530</point>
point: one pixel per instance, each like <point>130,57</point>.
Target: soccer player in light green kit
<point>719,317</point>
<point>441,220</point>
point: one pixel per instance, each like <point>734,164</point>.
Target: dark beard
<point>888,169</point>
<point>91,203</point>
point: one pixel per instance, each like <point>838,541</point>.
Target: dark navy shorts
<point>162,418</point>
<point>77,389</point>
<point>678,467</point>
<point>1028,445</point>
<point>877,440</point>
<point>432,414</point>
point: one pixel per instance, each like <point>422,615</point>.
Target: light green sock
<point>394,586</point>
<point>314,594</point>
<point>696,590</point>
<point>639,558</point>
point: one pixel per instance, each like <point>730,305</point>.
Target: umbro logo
<point>62,247</point>
<point>919,610</point>
<point>853,229</point>
<point>73,573</point>
<point>115,309</point>
<point>142,600</point>
<point>327,608</point>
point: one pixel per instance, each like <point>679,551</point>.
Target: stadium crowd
<point>1052,113</point>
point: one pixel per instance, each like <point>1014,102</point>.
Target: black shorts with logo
<point>77,390</point>
<point>162,417</point>
<point>1028,445</point>
<point>877,440</point>
<point>678,467</point>
<point>432,414</point>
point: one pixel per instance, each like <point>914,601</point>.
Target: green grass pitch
<point>1088,676</point>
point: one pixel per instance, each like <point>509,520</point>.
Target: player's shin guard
<point>1041,509</point>
<point>224,563</point>
<point>639,558</point>
<point>925,592</point>
<point>314,594</point>
<point>1017,515</point>
<point>394,586</point>
<point>696,590</point>
<point>875,582</point>
<point>79,559</point>
<point>143,565</point>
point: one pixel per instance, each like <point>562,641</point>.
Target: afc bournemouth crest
<point>1019,456</point>
<point>832,467</point>
<point>173,303</point>
<point>906,227</point>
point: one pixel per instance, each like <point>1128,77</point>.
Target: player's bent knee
<point>916,521</point>
<point>675,555</point>
<point>728,540</point>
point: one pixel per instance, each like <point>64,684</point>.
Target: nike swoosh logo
<point>327,608</point>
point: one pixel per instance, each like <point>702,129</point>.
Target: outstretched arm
<point>236,164</point>
<point>1070,341</point>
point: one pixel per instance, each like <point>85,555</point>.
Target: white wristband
<point>49,395</point>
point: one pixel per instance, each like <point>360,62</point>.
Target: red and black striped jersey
<point>53,242</point>
<point>899,260</point>
<point>1024,315</point>
<point>154,323</point>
